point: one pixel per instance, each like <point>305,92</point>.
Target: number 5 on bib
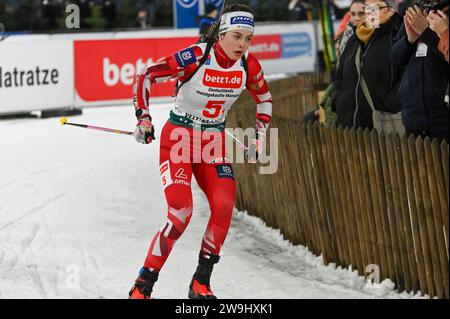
<point>213,109</point>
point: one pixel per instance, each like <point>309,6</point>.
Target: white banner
<point>289,48</point>
<point>36,75</point>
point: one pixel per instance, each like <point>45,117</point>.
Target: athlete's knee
<point>179,201</point>
<point>182,214</point>
<point>178,220</point>
<point>223,204</point>
<point>225,198</point>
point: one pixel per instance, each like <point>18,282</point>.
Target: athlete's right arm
<point>179,65</point>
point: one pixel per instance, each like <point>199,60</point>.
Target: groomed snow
<point>78,209</point>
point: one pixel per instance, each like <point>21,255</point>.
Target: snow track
<point>79,208</point>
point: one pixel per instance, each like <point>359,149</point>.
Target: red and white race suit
<point>200,110</point>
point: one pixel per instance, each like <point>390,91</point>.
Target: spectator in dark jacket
<point>438,21</point>
<point>382,78</point>
<point>424,84</point>
<point>354,18</point>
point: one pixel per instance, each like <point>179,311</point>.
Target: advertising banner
<point>36,75</point>
<point>290,49</point>
<point>105,69</point>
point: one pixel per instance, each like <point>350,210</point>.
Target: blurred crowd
<point>49,15</point>
<point>98,15</point>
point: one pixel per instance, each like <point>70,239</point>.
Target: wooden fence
<point>357,198</point>
<point>293,97</point>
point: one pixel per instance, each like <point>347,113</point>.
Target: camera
<point>432,5</point>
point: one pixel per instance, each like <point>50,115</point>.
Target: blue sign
<point>296,44</point>
<point>186,12</point>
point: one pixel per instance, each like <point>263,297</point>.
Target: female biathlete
<point>211,78</point>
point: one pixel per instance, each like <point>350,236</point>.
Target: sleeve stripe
<point>265,108</point>
<point>265,97</point>
<point>145,87</point>
<point>160,80</point>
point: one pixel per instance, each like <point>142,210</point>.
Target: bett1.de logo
<point>220,79</point>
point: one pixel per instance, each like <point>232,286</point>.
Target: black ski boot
<point>200,287</point>
<point>143,285</point>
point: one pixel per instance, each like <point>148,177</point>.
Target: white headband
<point>237,20</point>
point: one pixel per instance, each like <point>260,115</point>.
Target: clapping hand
<point>438,21</point>
<point>415,23</point>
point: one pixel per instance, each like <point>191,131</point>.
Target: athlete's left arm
<point>259,89</point>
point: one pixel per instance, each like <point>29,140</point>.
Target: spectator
<point>352,104</point>
<point>439,23</point>
<point>356,17</point>
<point>141,19</point>
<point>424,85</point>
<point>208,19</point>
<point>151,7</point>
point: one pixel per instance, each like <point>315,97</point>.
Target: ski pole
<point>64,121</point>
<point>245,148</point>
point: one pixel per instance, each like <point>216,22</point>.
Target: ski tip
<point>63,120</point>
